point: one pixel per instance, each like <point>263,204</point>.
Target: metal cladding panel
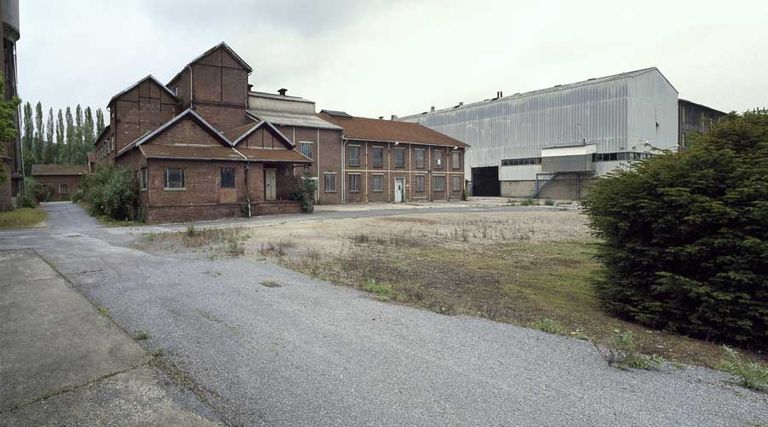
<point>602,112</point>
<point>567,164</point>
<point>519,173</point>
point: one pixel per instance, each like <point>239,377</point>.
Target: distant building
<point>11,153</point>
<point>59,182</point>
<point>551,143</point>
<point>695,118</point>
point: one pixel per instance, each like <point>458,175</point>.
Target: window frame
<point>456,160</point>
<point>309,144</point>
<point>420,164</point>
<point>221,177</point>
<point>401,151</point>
<point>356,164</point>
<point>66,187</point>
<point>435,180</point>
<point>380,178</point>
<point>423,186</point>
<point>357,181</point>
<point>326,176</point>
<point>437,159</point>
<point>377,149</point>
<point>183,180</point>
<point>454,187</point>
<point>143,179</point>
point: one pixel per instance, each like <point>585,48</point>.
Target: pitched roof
<point>188,113</point>
<point>40,170</point>
<point>268,125</point>
<point>226,47</point>
<point>190,152</point>
<point>148,77</point>
<point>293,119</point>
<point>267,155</point>
<point>361,128</point>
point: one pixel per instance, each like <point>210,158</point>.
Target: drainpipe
<point>248,188</point>
<point>343,167</point>
<point>191,86</point>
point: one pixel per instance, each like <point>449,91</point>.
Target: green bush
<point>303,191</point>
<point>685,236</point>
<point>111,191</point>
<point>34,193</point>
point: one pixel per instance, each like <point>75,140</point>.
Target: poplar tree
<point>38,140</point>
<point>88,130</point>
<point>78,154</point>
<point>60,147</point>
<point>70,137</point>
<point>99,122</point>
<point>27,136</point>
<point>49,153</point>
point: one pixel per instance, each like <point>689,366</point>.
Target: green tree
<point>49,148</point>
<point>70,138</point>
<point>27,137</point>
<point>60,141</point>
<point>39,134</point>
<point>8,131</point>
<point>685,236</point>
<point>99,122</point>
<point>77,157</point>
<point>89,128</point>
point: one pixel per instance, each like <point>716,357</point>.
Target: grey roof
<point>686,101</point>
<point>278,96</point>
<point>555,88</point>
<point>150,77</point>
<point>336,113</point>
<point>289,119</point>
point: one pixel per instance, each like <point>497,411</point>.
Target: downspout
<point>343,164</point>
<point>248,188</point>
<point>191,86</point>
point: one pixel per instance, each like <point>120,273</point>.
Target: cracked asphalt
<point>310,353</point>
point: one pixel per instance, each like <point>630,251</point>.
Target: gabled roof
<point>267,155</point>
<point>267,125</point>
<point>223,45</point>
<point>364,129</point>
<point>291,119</point>
<point>188,113</point>
<point>148,77</point>
<point>39,170</point>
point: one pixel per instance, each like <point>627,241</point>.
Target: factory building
<point>695,118</point>
<point>552,143</point>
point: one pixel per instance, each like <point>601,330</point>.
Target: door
<point>399,190</point>
<point>270,184</point>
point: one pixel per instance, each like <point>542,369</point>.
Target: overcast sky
<point>396,57</point>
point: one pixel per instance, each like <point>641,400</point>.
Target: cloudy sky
<point>375,58</point>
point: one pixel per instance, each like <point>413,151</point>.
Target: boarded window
<point>419,155</point>
<point>354,183</point>
<point>456,184</point>
<point>456,160</point>
<point>306,149</point>
<point>438,183</point>
<point>378,157</point>
<point>420,183</point>
<point>143,179</point>
<point>174,178</point>
<point>227,177</point>
<point>330,182</point>
<point>354,155</point>
<point>378,183</point>
<point>399,157</point>
<point>438,159</point>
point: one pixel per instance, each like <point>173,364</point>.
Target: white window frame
<point>326,176</point>
<point>349,182</point>
<point>183,180</point>
<point>311,148</point>
<point>349,155</point>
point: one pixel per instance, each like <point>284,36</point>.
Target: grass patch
<point>215,242</point>
<point>750,374</point>
<point>104,311</point>
<point>141,335</point>
<point>383,292</point>
<point>550,326</point>
<point>22,217</point>
<point>269,283</point>
<point>620,350</point>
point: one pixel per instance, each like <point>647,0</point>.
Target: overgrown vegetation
<point>620,350</point>
<point>303,191</point>
<point>22,217</point>
<point>215,243</point>
<point>750,374</point>
<point>684,236</point>
<point>8,131</point>
<point>110,191</point>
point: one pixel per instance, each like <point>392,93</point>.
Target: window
<point>378,183</point>
<point>143,179</point>
<point>306,148</point>
<point>438,156</point>
<point>419,183</point>
<point>354,155</point>
<point>521,162</point>
<point>456,160</point>
<point>419,154</point>
<point>330,182</point>
<point>174,179</point>
<point>64,189</point>
<point>456,184</point>
<point>378,157</point>
<point>438,183</point>
<point>354,183</point>
<point>399,157</point>
<point>227,177</point>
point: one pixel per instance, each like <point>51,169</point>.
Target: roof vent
<point>334,113</point>
<point>393,117</point>
<point>558,85</point>
<point>459,104</point>
<point>282,91</point>
<point>381,117</point>
<point>432,109</point>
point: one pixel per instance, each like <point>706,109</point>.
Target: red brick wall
<point>53,182</point>
<point>140,110</point>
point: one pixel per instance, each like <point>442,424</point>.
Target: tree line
<point>63,139</point>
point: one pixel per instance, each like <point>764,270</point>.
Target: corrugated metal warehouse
<point>550,143</point>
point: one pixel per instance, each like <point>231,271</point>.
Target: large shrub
<point>34,193</point>
<point>303,191</point>
<point>685,236</point>
<point>110,191</point>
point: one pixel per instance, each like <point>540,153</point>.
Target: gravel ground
<point>310,353</point>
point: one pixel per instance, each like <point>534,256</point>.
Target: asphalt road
<point>310,353</point>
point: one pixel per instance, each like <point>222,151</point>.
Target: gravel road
<point>310,353</point>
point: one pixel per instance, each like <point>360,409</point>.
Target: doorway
<point>399,190</point>
<point>485,182</point>
<point>270,184</point>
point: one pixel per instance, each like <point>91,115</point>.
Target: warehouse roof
<point>361,128</point>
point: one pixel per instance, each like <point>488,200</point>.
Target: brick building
<point>206,146</point>
<point>10,153</point>
<point>59,182</point>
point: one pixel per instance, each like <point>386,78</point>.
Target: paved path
<point>310,353</point>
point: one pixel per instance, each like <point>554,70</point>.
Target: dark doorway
<point>485,182</point>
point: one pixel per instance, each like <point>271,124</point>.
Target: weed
<point>382,291</point>
<point>361,238</point>
<point>141,335</point>
<point>235,248</point>
<point>276,249</point>
<point>549,202</point>
<point>158,352</point>
<point>269,283</point>
<point>104,311</point>
<point>527,202</point>
<point>191,231</point>
<point>621,351</point>
<point>550,326</point>
<point>751,375</point>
